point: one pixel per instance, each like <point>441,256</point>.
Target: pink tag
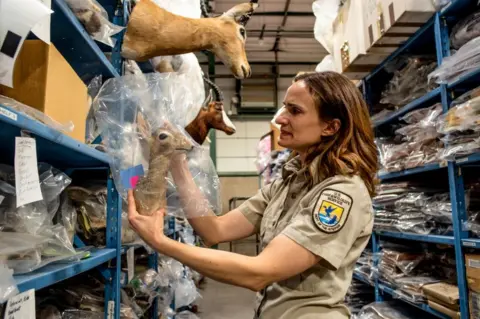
<point>134,181</point>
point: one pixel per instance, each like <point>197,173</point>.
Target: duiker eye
<point>243,33</point>
<point>162,136</point>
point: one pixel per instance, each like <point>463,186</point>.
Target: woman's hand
<point>149,228</point>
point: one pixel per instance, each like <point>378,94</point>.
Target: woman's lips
<point>285,134</point>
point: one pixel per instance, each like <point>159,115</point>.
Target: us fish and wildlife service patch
<point>332,210</point>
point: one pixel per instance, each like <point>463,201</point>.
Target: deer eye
<point>243,33</point>
<point>162,136</point>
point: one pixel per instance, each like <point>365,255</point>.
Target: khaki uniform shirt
<point>333,220</point>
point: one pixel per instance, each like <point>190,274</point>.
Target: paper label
<point>27,182</point>
<point>473,263</point>
<point>469,244</point>
<point>111,309</point>
<point>21,306</point>
<point>462,160</point>
<point>17,18</point>
<point>7,113</point>
<point>42,28</point>
<point>131,263</point>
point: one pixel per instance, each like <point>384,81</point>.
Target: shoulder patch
<point>332,210</point>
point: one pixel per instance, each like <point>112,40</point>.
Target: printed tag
<point>7,113</point>
<point>111,309</point>
<point>21,306</point>
<point>130,263</point>
<point>474,263</point>
<point>27,182</point>
<point>130,177</point>
<point>1,199</point>
<point>332,210</point>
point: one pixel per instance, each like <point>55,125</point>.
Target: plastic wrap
<point>82,314</point>
<point>91,129</point>
<point>95,20</point>
<point>410,82</point>
<point>48,312</point>
<point>462,117</point>
<point>465,60</point>
<point>35,114</point>
<point>465,30</point>
<point>8,286</point>
<point>67,216</point>
<point>439,4</point>
<point>327,64</point>
<point>325,12</point>
<point>185,293</point>
<point>139,129</point>
<point>383,310</point>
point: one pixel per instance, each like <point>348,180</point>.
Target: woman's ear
<point>332,127</point>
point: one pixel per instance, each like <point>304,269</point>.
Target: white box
<point>350,43</point>
<point>393,21</point>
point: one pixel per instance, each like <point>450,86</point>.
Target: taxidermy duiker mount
<point>153,31</point>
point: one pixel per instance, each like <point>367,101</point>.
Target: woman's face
<point>300,124</point>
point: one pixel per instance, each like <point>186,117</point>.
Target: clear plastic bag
<point>48,312</point>
<point>82,314</point>
<point>386,309</point>
<point>91,129</point>
<point>465,30</point>
<point>466,59</point>
<point>462,117</point>
<point>95,20</point>
<point>327,64</point>
<point>185,293</point>
<point>67,216</point>
<point>186,315</point>
<point>8,286</point>
<point>410,82</point>
<point>325,12</point>
<point>139,129</point>
<point>21,251</point>
<point>439,4</point>
<point>35,114</point>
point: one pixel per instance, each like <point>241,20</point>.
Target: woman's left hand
<point>149,228</point>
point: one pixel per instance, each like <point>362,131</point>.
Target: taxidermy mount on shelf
<point>153,31</point>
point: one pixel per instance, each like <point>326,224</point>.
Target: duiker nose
<point>247,71</point>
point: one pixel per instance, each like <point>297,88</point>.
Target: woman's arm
<point>275,263</point>
<point>207,225</point>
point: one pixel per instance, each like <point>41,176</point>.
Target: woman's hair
<point>352,150</point>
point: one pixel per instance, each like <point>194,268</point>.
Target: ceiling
<point>280,31</point>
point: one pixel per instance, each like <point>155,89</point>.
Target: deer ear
<point>143,126</point>
<point>208,100</point>
<point>241,13</point>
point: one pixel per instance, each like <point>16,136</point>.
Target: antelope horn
<point>216,89</point>
<point>204,8</point>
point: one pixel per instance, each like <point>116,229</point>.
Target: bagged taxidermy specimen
<point>95,20</point>
<point>137,118</point>
<point>153,31</point>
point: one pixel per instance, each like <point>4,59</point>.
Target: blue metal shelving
<point>56,272</point>
<point>441,24</point>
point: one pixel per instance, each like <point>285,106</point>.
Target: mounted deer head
<point>153,31</point>
<point>211,116</point>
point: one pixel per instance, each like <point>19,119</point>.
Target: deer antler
<point>216,89</point>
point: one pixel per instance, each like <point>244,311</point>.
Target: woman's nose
<point>281,120</point>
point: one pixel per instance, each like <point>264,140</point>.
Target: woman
<point>314,222</point>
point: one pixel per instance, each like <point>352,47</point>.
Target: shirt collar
<point>294,167</point>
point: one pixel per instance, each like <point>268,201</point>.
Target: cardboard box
<point>449,312</point>
<point>44,80</point>
<point>350,43</point>
<point>443,291</point>
<point>394,21</point>
<point>474,304</point>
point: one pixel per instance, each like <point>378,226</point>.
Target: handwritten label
<point>463,160</point>
<point>131,263</point>
<point>8,114</point>
<point>22,306</point>
<point>27,184</point>
<point>473,263</point>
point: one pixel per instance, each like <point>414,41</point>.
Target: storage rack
<point>433,36</point>
<point>88,59</point>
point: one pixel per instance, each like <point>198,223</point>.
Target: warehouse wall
<point>237,187</point>
<point>237,153</point>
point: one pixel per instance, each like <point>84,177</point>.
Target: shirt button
<point>274,223</point>
<point>294,196</point>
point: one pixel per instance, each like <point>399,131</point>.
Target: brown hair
<point>352,150</point>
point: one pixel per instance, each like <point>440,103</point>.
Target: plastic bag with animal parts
<point>8,286</point>
<point>185,293</point>
<point>453,67</point>
<point>82,314</point>
<point>35,114</point>
<point>461,117</point>
<point>325,12</point>
<point>327,64</point>
<point>140,132</point>
<point>91,129</point>
<point>95,20</point>
<point>465,30</point>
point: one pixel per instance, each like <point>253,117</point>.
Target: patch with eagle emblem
<point>332,210</point>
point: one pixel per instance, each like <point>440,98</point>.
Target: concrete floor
<point>222,301</point>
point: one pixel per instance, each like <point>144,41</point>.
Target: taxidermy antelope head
<point>153,31</point>
<point>151,189</point>
<point>211,115</point>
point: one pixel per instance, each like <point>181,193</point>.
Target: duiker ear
<point>208,100</point>
<point>241,13</point>
<point>143,126</point>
